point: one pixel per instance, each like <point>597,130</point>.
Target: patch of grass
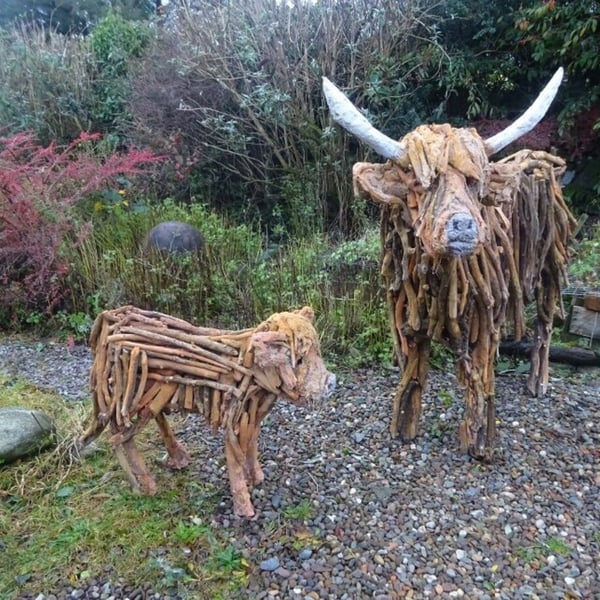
<point>546,547</point>
<point>302,511</point>
<point>63,521</point>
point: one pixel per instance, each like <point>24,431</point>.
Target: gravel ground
<point>390,520</point>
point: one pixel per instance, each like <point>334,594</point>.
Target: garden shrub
<point>39,190</point>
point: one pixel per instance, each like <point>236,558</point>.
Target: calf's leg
<point>242,505</point>
<point>135,468</point>
<point>253,469</point>
<point>178,455</point>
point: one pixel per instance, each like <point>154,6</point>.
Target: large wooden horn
<point>529,119</point>
<point>350,118</point>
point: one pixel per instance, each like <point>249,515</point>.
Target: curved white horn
<point>350,118</point>
<point>529,119</point>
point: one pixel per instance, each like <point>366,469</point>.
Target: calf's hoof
<point>246,511</point>
<point>179,461</point>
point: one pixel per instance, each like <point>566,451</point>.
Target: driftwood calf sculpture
<point>466,244</point>
<point>148,363</point>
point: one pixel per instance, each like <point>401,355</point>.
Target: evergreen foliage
<point>70,16</point>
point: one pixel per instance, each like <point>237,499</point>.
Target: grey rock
<point>174,237</point>
<point>270,564</point>
<point>23,431</point>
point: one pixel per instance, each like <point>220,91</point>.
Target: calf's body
<point>147,364</point>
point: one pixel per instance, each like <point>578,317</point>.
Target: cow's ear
<point>379,183</point>
<point>272,350</point>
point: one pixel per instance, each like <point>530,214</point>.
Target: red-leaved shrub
<point>39,187</point>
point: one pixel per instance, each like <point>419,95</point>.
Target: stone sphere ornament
<point>173,237</point>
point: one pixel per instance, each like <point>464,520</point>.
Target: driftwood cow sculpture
<point>467,243</point>
<point>147,363</point>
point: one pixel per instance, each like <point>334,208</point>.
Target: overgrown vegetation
<point>62,522</point>
<point>229,97</point>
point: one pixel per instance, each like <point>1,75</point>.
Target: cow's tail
<point>98,345</point>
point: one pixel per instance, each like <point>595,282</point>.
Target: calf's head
<point>445,169</point>
<point>286,346</point>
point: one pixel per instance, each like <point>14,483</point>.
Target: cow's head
<point>286,347</point>
<point>448,168</point>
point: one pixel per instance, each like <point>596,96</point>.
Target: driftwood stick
<point>215,409</point>
<point>190,369</point>
<point>134,363</point>
<point>224,364</point>
<point>141,381</point>
<point>172,378</point>
<point>148,331</point>
<point>164,397</point>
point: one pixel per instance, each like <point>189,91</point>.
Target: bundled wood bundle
<point>147,364</point>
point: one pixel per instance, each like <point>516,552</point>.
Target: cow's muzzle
<point>462,234</point>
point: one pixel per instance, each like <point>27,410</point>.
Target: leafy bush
<point>46,85</point>
<point>39,188</point>
<point>238,92</point>
<point>238,281</point>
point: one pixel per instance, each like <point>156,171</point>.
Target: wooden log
<point>579,357</point>
<point>591,301</point>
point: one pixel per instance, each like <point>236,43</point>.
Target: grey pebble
<point>270,564</point>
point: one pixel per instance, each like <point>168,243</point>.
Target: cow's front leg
<point>537,384</point>
<point>236,469</point>
<point>478,429</point>
<point>178,455</point>
<point>407,400</point>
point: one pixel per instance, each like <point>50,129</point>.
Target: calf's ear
<point>307,312</point>
<point>270,348</point>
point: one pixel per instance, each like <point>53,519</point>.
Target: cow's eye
<point>471,181</point>
<point>299,361</point>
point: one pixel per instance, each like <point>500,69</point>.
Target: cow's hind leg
<point>178,455</point>
<point>406,410</point>
<point>537,384</point>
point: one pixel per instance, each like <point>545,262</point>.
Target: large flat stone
<point>23,431</point>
